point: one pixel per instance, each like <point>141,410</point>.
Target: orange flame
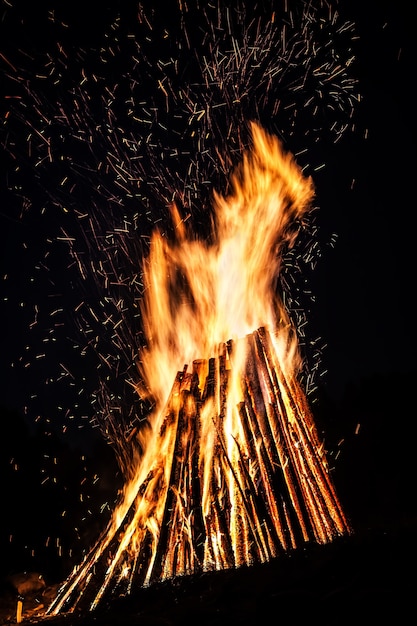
<point>200,295</point>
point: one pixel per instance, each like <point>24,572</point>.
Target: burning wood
<point>268,489</point>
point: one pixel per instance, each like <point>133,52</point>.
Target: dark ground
<point>364,578</point>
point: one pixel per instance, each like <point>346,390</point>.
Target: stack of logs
<point>227,499</point>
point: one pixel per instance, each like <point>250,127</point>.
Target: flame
<point>200,295</point>
<point>232,470</point>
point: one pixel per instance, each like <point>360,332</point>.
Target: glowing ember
<point>232,471</point>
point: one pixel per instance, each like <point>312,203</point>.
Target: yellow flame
<point>199,295</point>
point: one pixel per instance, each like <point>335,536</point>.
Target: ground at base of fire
<point>361,578</point>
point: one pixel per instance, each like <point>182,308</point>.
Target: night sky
<point>363,283</point>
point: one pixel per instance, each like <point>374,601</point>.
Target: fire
<point>200,295</point>
<point>232,470</point>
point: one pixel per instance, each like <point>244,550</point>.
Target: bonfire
<point>232,471</point>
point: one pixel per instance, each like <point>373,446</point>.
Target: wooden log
<point>195,486</point>
<point>223,380</point>
<point>210,382</point>
<point>144,559</point>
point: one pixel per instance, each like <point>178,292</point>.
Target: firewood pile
<point>216,498</point>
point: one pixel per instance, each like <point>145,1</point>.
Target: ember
<point>233,471</point>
